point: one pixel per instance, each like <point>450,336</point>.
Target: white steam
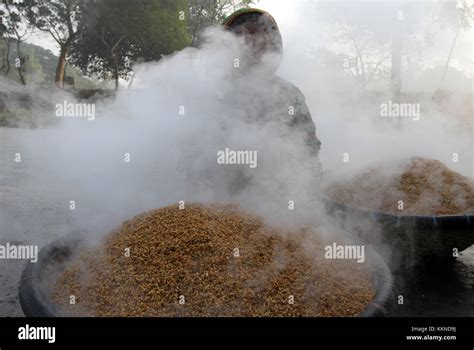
<point>171,125</point>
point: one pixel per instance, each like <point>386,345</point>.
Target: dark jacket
<point>279,102</point>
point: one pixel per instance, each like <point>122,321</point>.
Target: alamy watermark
<point>340,251</point>
<point>37,333</point>
<point>75,110</point>
<point>232,157</point>
<point>10,251</point>
<point>400,110</point>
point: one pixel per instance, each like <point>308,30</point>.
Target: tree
<point>5,49</point>
<point>59,19</point>
<point>101,45</point>
<point>157,29</point>
<point>387,28</point>
<point>13,25</point>
<point>114,33</point>
<point>458,15</point>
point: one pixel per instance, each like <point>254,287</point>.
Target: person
<point>282,101</point>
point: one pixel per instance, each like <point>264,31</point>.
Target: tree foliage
<point>58,18</point>
<point>104,38</point>
<point>114,33</point>
<point>13,24</point>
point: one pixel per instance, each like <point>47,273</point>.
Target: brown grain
<point>190,253</point>
<point>426,187</point>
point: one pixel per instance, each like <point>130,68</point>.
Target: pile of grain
<point>426,187</point>
<point>185,263</point>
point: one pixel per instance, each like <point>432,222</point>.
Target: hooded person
<point>281,103</point>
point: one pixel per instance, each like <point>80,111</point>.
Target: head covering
<point>229,20</point>
<point>262,36</point>
<point>255,20</point>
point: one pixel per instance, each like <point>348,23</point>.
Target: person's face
<point>260,39</point>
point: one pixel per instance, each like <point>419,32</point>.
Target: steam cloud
<point>170,126</point>
<point>184,109</point>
